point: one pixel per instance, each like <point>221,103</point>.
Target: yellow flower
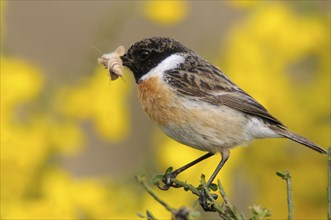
<point>20,82</point>
<point>165,12</point>
<point>101,101</point>
<point>27,139</point>
<point>88,197</point>
<point>280,58</point>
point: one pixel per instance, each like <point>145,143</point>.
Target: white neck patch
<point>168,63</point>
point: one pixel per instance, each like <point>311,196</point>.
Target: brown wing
<point>199,80</point>
<point>247,104</point>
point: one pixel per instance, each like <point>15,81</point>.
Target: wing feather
<point>200,80</point>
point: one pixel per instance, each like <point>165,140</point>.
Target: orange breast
<point>157,101</point>
<point>193,123</point>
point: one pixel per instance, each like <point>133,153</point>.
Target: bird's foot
<point>205,200</point>
<point>167,181</point>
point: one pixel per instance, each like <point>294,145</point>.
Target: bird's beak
<point>129,63</point>
<point>126,61</point>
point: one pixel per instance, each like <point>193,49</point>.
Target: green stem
<point>142,181</point>
<point>289,197</point>
<point>222,192</point>
<point>186,186</point>
<point>232,209</point>
<point>287,177</point>
<point>218,207</point>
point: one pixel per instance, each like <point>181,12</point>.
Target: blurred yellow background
<point>72,141</point>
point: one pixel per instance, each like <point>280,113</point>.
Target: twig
<point>182,213</point>
<point>225,209</point>
<point>186,186</point>
<point>142,181</point>
<point>232,209</point>
<point>216,206</point>
<point>287,177</point>
<point>222,192</point>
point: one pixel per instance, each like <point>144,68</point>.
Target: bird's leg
<point>167,177</point>
<point>203,198</point>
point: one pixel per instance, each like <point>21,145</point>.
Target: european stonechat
<point>195,103</point>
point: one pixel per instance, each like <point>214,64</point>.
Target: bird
<point>193,102</point>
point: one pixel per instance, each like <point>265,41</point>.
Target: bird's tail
<point>298,138</point>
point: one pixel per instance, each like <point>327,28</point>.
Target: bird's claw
<point>204,201</point>
<point>167,181</point>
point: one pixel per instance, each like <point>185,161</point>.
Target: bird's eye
<point>144,54</point>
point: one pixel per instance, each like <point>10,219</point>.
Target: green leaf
<point>259,212</point>
<point>283,174</point>
<point>169,170</point>
<point>213,187</point>
<point>156,179</point>
<point>203,179</point>
<point>200,187</point>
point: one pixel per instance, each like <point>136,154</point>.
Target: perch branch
<point>142,181</point>
<point>285,175</point>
